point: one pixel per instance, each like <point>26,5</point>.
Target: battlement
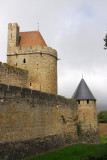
<point>11,75</point>
<point>8,91</point>
<point>12,24</point>
<point>32,50</point>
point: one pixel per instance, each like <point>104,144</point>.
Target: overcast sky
<point>75,28</point>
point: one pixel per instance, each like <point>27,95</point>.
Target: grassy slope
<point>103,139</point>
<point>75,152</point>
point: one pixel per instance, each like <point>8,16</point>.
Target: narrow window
<point>11,35</point>
<point>94,116</point>
<point>24,61</point>
<point>30,84</point>
<point>78,101</point>
<point>87,101</point>
<point>16,64</point>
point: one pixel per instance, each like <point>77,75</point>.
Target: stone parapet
<point>31,50</point>
<point>11,75</point>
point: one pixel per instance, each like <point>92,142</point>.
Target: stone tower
<point>28,50</point>
<point>87,116</point>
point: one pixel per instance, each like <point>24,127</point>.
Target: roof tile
<point>31,38</point>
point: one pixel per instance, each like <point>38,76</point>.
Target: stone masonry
<point>30,117</point>
<point>13,75</point>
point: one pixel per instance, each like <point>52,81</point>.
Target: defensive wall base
<point>33,122</point>
<point>89,136</point>
<point>22,149</point>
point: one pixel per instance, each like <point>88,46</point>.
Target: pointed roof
<point>83,92</point>
<point>31,38</point>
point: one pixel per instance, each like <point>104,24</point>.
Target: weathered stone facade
<point>13,76</point>
<point>87,119</point>
<point>27,115</point>
<point>87,115</point>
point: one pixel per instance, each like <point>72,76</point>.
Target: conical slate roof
<point>83,92</point>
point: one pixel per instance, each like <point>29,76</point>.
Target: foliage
<point>103,139</point>
<point>79,128</point>
<point>76,152</point>
<point>102,116</point>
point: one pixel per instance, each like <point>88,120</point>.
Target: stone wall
<point>13,76</point>
<point>33,122</point>
<point>13,35</point>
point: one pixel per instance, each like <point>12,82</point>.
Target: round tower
<point>87,116</point>
<point>34,55</point>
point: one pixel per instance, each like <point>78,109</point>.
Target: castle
<point>33,118</point>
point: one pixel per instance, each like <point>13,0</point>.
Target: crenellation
<point>15,24</point>
<point>15,91</point>
<point>9,25</point>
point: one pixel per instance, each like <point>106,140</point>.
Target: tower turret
<point>13,35</point>
<point>87,116</point>
<point>28,50</point>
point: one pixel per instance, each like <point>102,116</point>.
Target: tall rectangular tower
<point>13,35</point>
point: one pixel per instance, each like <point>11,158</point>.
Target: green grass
<point>74,152</point>
<point>103,139</point>
<point>77,152</point>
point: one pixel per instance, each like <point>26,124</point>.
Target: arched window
<point>24,61</point>
<point>30,84</point>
